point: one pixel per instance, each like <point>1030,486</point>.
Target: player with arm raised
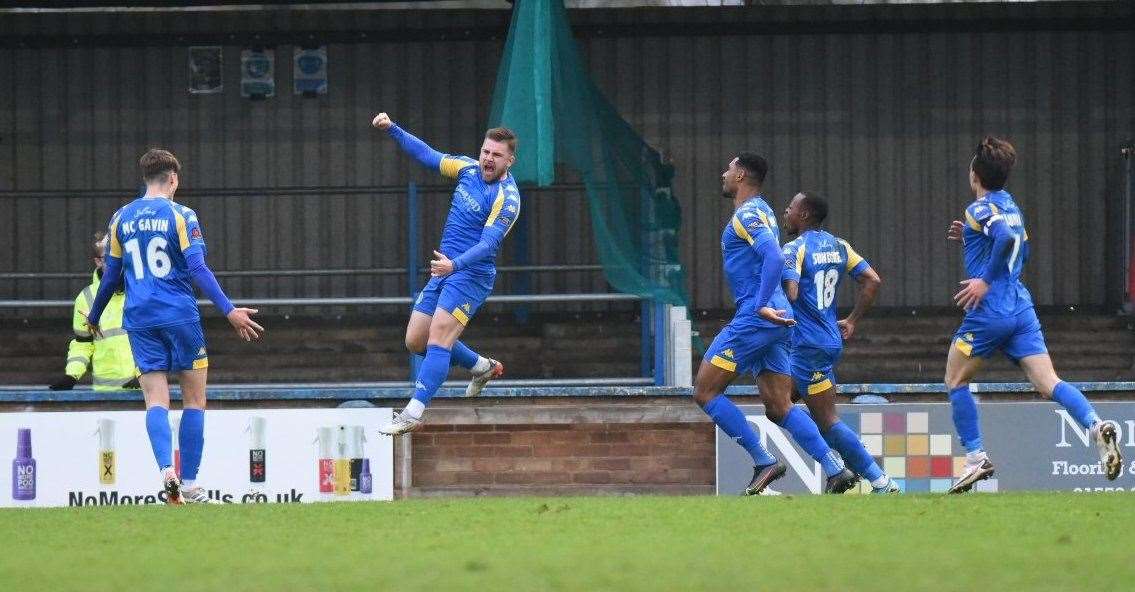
<point>814,265</point>
<point>157,245</point>
<point>757,339</point>
<point>999,315</point>
<point>485,205</point>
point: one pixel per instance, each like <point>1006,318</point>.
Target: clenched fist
<point>382,121</point>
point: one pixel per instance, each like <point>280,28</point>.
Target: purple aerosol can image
<point>23,467</point>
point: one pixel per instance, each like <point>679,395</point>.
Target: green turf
<point>994,542</point>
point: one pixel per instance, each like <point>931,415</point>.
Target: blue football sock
<point>191,436</point>
<point>161,437</point>
<point>844,440</point>
<point>432,373</point>
<point>463,356</point>
<point>731,421</point>
<point>807,435</point>
<point>1077,405</point>
<point>965,418</point>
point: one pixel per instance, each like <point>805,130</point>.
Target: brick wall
<point>585,457</point>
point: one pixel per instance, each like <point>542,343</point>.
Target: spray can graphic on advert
<point>342,463</point>
<point>107,462</point>
<point>23,467</point>
<point>355,451</point>
<point>366,481</point>
<point>325,463</point>
<point>257,450</point>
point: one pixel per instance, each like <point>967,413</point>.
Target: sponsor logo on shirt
<point>467,200</point>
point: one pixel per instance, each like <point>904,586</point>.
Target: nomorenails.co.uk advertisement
<point>250,456</point>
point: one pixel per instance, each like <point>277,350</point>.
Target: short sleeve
<point>793,261</point>
<point>454,166</point>
<point>856,264</point>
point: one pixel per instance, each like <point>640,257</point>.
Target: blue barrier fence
<point>354,392</point>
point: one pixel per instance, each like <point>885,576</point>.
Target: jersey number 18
<point>825,281</point>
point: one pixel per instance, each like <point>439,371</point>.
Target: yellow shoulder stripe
<point>972,222</point>
<point>451,167</point>
<point>800,259</point>
<point>853,258</point>
<point>182,234</point>
<point>498,204</point>
<point>740,230</point>
<point>115,246</point>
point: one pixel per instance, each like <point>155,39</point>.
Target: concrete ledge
<point>580,414</point>
<point>565,491</point>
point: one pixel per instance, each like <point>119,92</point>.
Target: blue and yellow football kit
<point>1005,318</point>
<point>818,260</point>
<point>154,238</point>
<point>480,216</point>
<point>749,343</point>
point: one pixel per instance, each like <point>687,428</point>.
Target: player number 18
<point>156,258</point>
<point>825,287</point>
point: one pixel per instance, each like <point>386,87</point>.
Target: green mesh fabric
<point>543,93</point>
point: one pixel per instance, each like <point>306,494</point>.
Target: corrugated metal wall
<point>880,122</point>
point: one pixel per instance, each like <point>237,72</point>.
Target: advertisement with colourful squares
<point>916,446</point>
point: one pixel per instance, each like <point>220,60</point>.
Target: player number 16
<point>156,258</point>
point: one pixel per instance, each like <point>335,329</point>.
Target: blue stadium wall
<point>877,107</point>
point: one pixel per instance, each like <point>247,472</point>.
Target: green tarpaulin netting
<point>543,93</point>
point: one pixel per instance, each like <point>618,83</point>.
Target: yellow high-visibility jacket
<point>109,357</point>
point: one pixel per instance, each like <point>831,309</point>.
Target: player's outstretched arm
<point>419,150</point>
<point>869,283</point>
<point>203,278</point>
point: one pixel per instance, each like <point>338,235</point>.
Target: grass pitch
<point>976,542</point>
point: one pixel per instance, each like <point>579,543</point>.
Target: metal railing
<point>361,301</point>
<point>654,317</point>
<point>53,275</point>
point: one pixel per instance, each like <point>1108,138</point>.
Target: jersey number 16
<point>157,260</point>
